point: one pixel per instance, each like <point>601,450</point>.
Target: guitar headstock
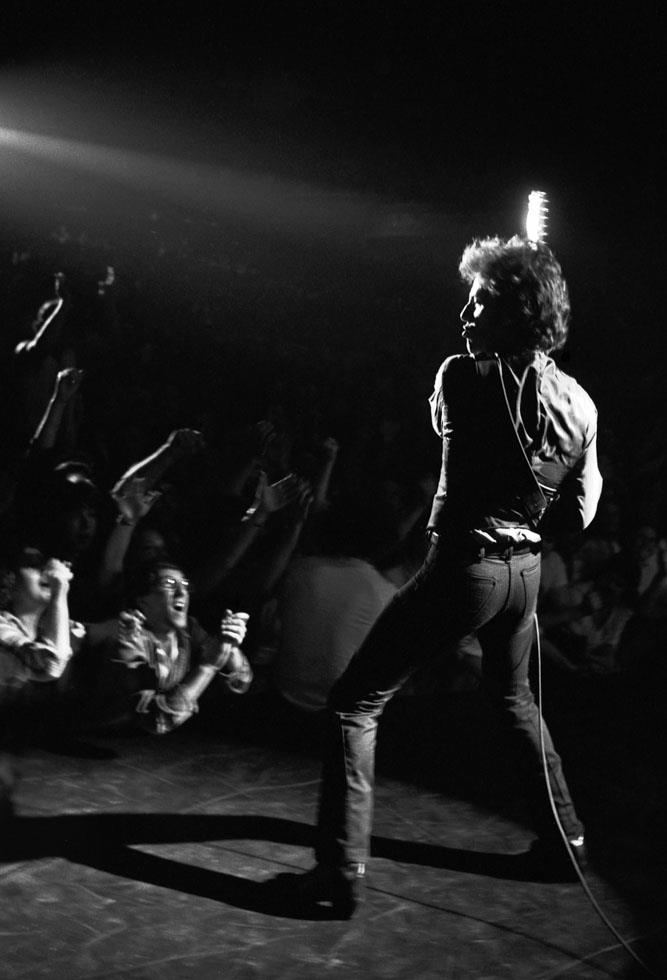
<point>536,217</point>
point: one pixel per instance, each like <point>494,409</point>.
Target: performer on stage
<point>518,439</point>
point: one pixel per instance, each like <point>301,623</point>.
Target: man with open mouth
<point>162,659</point>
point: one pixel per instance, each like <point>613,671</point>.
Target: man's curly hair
<point>529,280</point>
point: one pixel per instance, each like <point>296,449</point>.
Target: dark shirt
<point>485,478</point>
<point>138,677</point>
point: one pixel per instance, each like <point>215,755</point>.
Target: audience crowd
<point>180,524</point>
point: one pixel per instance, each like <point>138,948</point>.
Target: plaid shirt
<point>158,669</point>
<point>24,659</point>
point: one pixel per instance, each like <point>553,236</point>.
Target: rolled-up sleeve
<point>436,399</point>
<point>588,483</point>
<point>150,677</point>
<point>579,493</point>
<point>442,427</point>
<point>38,659</point>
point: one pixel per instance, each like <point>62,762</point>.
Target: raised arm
<point>58,308</point>
<point>276,562</point>
<point>133,501</point>
<point>66,386</point>
<point>268,499</point>
<point>425,490</point>
<point>249,451</point>
<point>180,444</point>
<point>54,624</point>
<point>322,480</point>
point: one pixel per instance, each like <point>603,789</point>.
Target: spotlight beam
<point>288,205</point>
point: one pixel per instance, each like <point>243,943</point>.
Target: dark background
<point>406,128</point>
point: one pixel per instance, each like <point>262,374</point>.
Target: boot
<point>340,888</point>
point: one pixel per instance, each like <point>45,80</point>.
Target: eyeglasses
<point>171,585</point>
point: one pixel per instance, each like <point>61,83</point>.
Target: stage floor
<point>152,863</point>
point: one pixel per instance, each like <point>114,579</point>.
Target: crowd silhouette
<point>162,450</point>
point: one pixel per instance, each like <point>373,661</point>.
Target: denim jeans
<point>449,597</point>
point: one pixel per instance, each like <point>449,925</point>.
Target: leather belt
<point>469,547</point>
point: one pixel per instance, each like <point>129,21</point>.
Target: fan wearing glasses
<point>168,658</point>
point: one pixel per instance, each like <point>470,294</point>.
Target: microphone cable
<point>584,884</point>
<point>516,422</point>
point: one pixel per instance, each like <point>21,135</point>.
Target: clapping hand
<point>269,498</point>
<point>235,667</point>
<point>130,625</point>
<point>59,574</point>
<point>233,627</point>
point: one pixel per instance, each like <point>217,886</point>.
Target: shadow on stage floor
<point>151,858</point>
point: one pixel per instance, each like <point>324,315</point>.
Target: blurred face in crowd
<point>150,545</point>
<point>589,560</point>
<point>79,528</point>
<point>32,590</point>
<point>166,606</point>
<point>645,543</point>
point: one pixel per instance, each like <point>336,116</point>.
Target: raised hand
<point>59,575</point>
<point>275,496</point>
<point>186,442</point>
<point>68,382</point>
<point>60,286</point>
<point>130,624</point>
<point>269,498</point>
<point>233,627</point>
<point>301,504</point>
<point>234,664</point>
<point>133,499</point>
